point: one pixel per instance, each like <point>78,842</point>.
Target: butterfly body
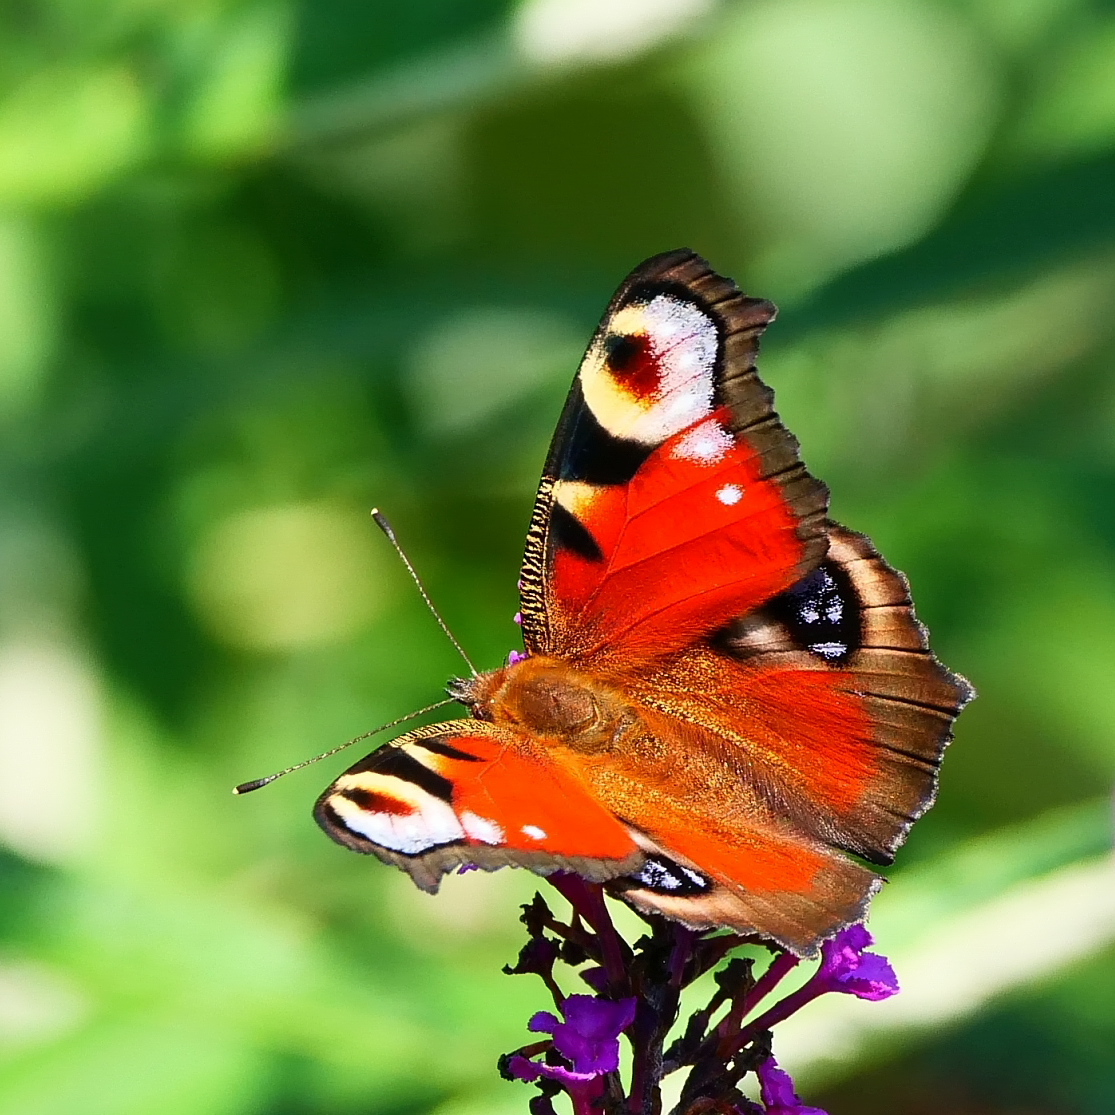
<point>724,694</point>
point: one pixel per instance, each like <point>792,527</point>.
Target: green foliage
<point>264,266</point>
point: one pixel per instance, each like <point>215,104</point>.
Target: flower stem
<point>587,900</point>
<point>780,1011</point>
<point>658,1009</point>
<point>730,1030</point>
<point>588,1098</point>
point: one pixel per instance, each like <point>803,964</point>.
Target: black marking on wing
<point>364,798</point>
<point>663,876</point>
<point>943,712</point>
<point>642,293</point>
<point>647,292</point>
<point>438,746</point>
<point>567,531</point>
<point>822,613</point>
<point>396,763</point>
<point>622,350</point>
<point>588,452</point>
<point>368,800</point>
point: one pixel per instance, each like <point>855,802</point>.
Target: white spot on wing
<point>693,876</point>
<point>707,443</point>
<point>829,650</point>
<point>481,828</point>
<point>730,494</point>
<point>664,876</point>
<point>431,823</point>
<point>576,496</point>
<point>534,832</point>
<point>658,877</point>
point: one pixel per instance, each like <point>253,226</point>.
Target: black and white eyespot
<point>822,613</point>
<point>390,812</point>
<point>663,876</point>
<point>652,374</point>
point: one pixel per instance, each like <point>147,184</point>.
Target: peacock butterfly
<point>726,695</point>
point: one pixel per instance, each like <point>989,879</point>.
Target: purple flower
<point>522,1068</point>
<point>778,1093</point>
<point>589,1037</point>
<point>847,967</point>
<point>516,656</point>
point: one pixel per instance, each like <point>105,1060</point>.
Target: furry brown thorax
<point>549,697</point>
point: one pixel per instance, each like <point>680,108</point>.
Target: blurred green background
<point>266,265</point>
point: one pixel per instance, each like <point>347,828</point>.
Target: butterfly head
<point>467,690</point>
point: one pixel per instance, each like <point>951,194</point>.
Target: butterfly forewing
<point>672,498</point>
<point>484,795</point>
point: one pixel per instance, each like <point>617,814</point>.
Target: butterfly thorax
<point>549,697</point>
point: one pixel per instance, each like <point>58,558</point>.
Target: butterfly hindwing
<point>824,709</point>
<point>856,710</point>
<point>765,881</point>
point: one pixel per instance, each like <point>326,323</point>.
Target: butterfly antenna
<point>259,783</point>
<point>389,530</point>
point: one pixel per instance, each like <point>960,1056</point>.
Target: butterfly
<point>726,706</point>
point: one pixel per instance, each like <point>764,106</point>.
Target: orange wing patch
<point>649,567</point>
